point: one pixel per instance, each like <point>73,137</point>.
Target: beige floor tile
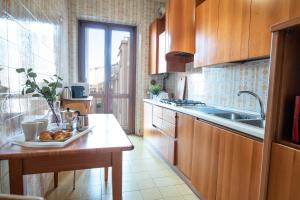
<point>169,191</point>
<point>191,197</point>
<point>145,184</point>
<point>167,181</point>
<point>174,198</point>
<point>151,194</point>
<point>135,195</point>
<point>184,189</point>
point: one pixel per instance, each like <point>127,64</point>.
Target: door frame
<point>82,74</point>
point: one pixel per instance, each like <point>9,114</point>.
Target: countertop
<point>89,98</point>
<point>244,128</point>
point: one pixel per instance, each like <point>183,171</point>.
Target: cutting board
<point>180,88</point>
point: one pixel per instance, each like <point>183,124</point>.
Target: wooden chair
<point>84,109</point>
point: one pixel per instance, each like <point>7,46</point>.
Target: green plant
<point>154,89</point>
<point>48,91</point>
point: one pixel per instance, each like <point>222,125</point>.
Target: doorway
<point>107,54</point>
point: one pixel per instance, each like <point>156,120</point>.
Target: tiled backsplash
<point>220,84</point>
<point>31,36</point>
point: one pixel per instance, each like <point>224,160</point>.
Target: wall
<point>219,85</point>
<point>32,34</point>
<point>138,13</point>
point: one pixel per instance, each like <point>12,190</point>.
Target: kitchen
<point>206,91</point>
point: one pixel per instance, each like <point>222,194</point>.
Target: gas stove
<point>179,102</point>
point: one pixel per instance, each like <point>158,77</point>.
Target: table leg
<point>55,179</point>
<point>16,176</point>
<point>117,175</point>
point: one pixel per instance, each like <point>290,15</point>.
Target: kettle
<point>66,93</point>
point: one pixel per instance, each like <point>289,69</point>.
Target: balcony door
<point>107,63</point>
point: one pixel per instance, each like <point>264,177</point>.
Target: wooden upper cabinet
<point>264,14</point>
<point>185,132</point>
<point>206,33</point>
<point>284,177</point>
<point>233,30</point>
<point>205,159</point>
<point>294,8</point>
<point>180,30</point>
<point>239,168</point>
<point>157,27</point>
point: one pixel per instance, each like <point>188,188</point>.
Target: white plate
<point>19,140</point>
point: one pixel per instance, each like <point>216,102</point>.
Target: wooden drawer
<point>169,116</point>
<point>157,122</point>
<point>168,128</point>
<point>157,111</point>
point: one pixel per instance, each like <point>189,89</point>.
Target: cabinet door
<point>153,48</point>
<point>205,159</point>
<point>264,14</point>
<point>206,33</point>
<point>239,167</point>
<point>180,26</point>
<point>284,177</point>
<point>148,128</point>
<point>294,8</point>
<point>185,131</point>
<point>233,31</point>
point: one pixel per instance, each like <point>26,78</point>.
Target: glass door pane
<point>120,76</point>
<point>95,65</point>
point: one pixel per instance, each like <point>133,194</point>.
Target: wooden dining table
<point>102,147</point>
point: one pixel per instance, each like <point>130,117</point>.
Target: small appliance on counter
<point>80,90</point>
<point>296,123</point>
<point>66,93</point>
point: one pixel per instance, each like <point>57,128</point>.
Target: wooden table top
<point>107,136</point>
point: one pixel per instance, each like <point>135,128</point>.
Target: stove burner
<point>179,102</point>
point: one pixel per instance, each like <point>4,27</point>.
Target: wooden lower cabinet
<point>284,177</point>
<point>225,165</point>
<point>239,167</point>
<point>205,159</point>
<point>162,142</point>
<point>185,132</point>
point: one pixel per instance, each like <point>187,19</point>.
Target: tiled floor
<point>145,177</point>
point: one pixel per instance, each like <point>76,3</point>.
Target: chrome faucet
<point>262,112</point>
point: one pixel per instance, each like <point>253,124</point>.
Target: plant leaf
<point>29,90</point>
<point>46,81</point>
<point>29,70</point>
<point>52,84</point>
<point>59,85</point>
<point>32,75</point>
<point>23,92</point>
<point>36,95</point>
<point>20,70</point>
<point>28,83</point>
<point>46,90</point>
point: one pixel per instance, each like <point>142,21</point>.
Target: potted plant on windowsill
<point>48,91</point>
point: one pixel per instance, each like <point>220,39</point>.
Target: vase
<point>54,116</point>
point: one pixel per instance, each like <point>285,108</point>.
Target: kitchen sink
<point>205,109</point>
<point>235,116</point>
<point>254,122</point>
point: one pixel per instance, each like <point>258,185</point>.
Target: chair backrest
<point>82,108</point>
